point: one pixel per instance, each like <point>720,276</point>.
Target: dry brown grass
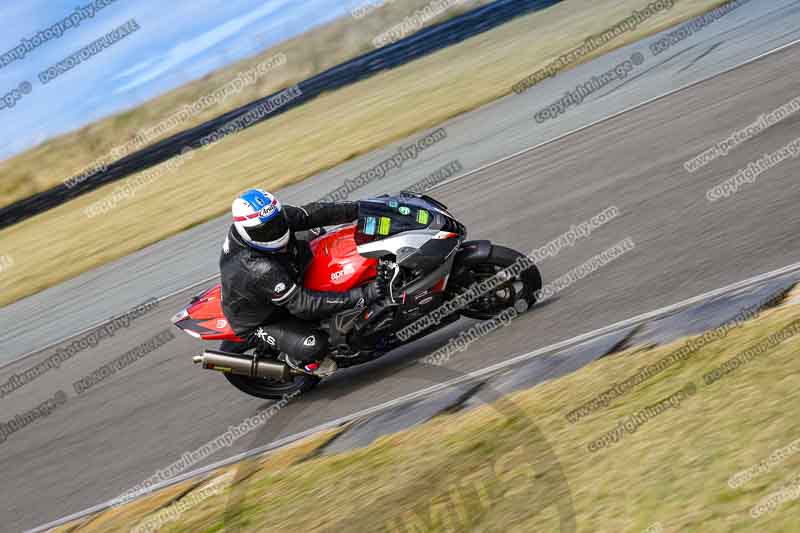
<point>62,243</point>
<point>55,160</point>
<point>448,475</point>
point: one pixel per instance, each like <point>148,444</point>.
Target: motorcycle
<point>420,249</point>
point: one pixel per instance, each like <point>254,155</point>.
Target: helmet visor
<point>269,231</point>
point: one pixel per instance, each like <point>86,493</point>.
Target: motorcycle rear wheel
<point>266,389</point>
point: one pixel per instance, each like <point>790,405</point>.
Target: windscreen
<point>379,220</point>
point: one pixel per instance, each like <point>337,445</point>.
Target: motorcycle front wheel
<point>519,291</point>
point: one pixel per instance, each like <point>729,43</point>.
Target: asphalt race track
<point>121,431</point>
<point>488,134</point>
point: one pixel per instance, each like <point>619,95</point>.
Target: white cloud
<point>188,49</point>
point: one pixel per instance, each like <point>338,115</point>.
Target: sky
<point>177,41</point>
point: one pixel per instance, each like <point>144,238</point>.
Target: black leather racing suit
<point>263,296</point>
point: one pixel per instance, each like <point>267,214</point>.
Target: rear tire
<point>500,258</point>
<point>266,389</point>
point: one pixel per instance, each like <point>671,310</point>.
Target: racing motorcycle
<point>419,248</point>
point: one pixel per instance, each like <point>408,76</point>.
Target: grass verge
<point>51,162</point>
<point>64,242</point>
<point>475,471</point>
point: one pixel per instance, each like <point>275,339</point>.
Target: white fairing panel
<point>413,240</point>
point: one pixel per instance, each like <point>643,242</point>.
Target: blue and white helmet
<point>260,221</point>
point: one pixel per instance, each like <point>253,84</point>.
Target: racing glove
<point>374,291</point>
<point>378,289</point>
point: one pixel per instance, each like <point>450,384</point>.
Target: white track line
<point>455,178</point>
<point>472,376</point>
<point>610,117</point>
<point>90,328</point>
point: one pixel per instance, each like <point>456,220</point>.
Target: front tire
<point>266,389</point>
<point>519,292</point>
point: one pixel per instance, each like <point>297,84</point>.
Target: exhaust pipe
<point>242,365</point>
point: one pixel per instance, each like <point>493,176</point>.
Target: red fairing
<point>208,306</point>
<point>206,320</point>
<point>337,266</point>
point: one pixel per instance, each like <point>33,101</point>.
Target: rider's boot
<point>321,369</point>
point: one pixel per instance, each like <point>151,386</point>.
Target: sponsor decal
<point>264,336</point>
<point>339,275</point>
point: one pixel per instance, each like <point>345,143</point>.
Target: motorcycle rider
<point>262,266</point>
